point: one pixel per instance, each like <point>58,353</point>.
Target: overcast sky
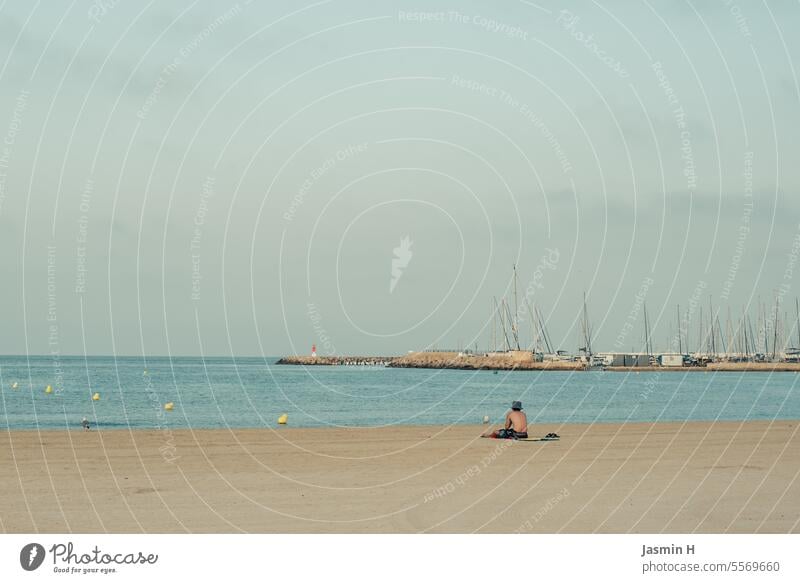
<point>210,178</point>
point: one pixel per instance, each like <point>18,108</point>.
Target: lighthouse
<point>313,350</point>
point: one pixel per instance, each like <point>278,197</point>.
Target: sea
<point>131,393</point>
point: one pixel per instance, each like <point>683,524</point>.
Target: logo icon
<point>401,259</point>
<point>31,556</point>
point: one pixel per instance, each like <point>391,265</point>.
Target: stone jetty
<point>337,360</point>
<point>520,360</point>
<point>514,360</point>
<point>754,366</point>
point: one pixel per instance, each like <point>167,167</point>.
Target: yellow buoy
<point>14,385</point>
<point>283,419</point>
<point>48,390</point>
<point>96,397</point>
<point>169,406</point>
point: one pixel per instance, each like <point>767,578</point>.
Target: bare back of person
<point>515,426</point>
<point>517,420</point>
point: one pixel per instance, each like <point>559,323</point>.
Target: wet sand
<point>639,477</point>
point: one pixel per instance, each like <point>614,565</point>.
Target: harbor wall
<point>517,360</point>
<point>337,360</point>
<point>754,366</point>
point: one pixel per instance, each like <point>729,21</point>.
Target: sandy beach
<point>639,477</point>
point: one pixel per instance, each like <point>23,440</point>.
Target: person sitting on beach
<point>85,423</point>
<point>516,425</point>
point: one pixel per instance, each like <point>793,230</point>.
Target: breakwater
<point>714,367</point>
<point>517,360</point>
<point>337,360</point>
<point>753,366</point>
<point>444,360</point>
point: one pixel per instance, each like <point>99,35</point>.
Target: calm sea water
<point>252,392</point>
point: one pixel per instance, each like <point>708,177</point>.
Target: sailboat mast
<point>775,337</point>
<point>534,330</point>
<point>680,342</point>
<point>785,337</point>
<point>494,324</point>
<point>503,324</point>
<point>729,331</point>
<point>514,322</point>
<point>586,331</point>
<point>744,327</point>
<point>702,331</point>
<point>543,328</point>
<point>712,339</point>
<point>711,346</point>
<point>797,307</point>
<point>688,349</point>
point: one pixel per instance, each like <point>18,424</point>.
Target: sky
<point>252,178</point>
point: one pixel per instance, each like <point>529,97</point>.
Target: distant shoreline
<point>520,361</point>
